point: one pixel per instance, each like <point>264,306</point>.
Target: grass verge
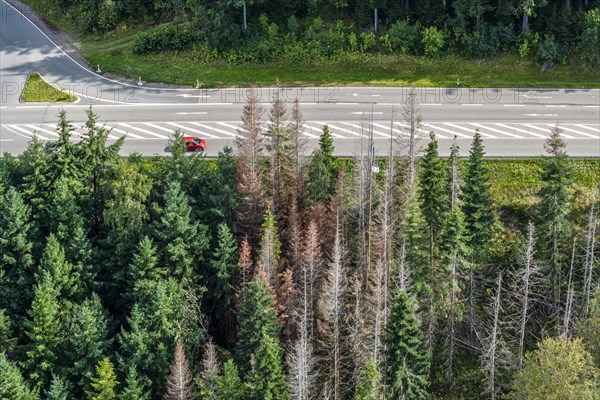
<point>184,68</point>
<point>39,91</point>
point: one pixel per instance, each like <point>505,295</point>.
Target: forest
<point>271,273</point>
<point>322,31</point>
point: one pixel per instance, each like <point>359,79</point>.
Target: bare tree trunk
<point>589,258</point>
<point>413,121</point>
<point>333,291</point>
<point>451,322</point>
<point>376,19</point>
<point>180,385</point>
<point>570,294</point>
<point>526,281</point>
<point>490,353</point>
<point>244,16</point>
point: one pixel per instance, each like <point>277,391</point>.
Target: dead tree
<point>277,134</point>
<point>180,385</point>
<point>250,144</point>
<point>568,313</point>
<point>331,308</point>
<point>526,280</point>
<point>493,346</point>
<point>589,257</point>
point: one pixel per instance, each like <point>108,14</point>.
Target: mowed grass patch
<point>37,90</point>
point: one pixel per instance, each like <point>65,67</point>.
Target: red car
<point>194,143</point>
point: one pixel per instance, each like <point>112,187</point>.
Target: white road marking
<point>365,129</point>
<point>113,137</point>
<point>192,113</point>
<point>338,128</point>
<point>589,127</point>
<point>160,128</point>
<point>514,105</point>
<point>431,104</point>
<point>497,131</point>
<point>15,132</point>
<point>126,133</point>
<point>196,131</point>
<point>37,128</point>
<point>471,130</point>
<point>366,113</point>
<point>541,115</point>
<point>460,127</point>
<point>547,131</point>
<point>346,104</point>
<point>564,128</point>
<point>555,105</point>
<point>6,140</point>
<point>158,135</point>
<point>405,128</point>
<point>522,130</point>
<point>592,106</point>
<point>31,134</point>
<point>213,129</point>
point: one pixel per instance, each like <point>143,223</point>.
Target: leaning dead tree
<point>589,257</point>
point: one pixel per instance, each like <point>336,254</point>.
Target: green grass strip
<point>37,90</point>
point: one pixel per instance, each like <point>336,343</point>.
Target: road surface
<point>513,122</point>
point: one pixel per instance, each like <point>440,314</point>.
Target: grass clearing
<point>37,90</point>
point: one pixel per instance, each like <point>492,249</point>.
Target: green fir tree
<point>104,383</point>
<point>266,379</point>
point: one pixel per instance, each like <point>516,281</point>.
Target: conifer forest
<point>277,273</point>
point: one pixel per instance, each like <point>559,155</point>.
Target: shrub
<point>167,37</point>
<point>405,37</point>
<point>527,41</point>
<point>433,41</point>
<point>548,51</point>
<point>489,40</point>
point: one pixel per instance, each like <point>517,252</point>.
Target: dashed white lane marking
<point>548,131</point>
<point>335,127</point>
<point>39,128</point>
<point>185,128</point>
<point>497,131</point>
<point>556,105</point>
<point>431,104</point>
<point>589,127</point>
<point>144,131</point>
<point>564,128</point>
<point>30,134</point>
<point>522,130</point>
<point>213,129</point>
<point>591,106</point>
<point>514,105</point>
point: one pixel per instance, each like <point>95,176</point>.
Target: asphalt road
<point>513,122</point>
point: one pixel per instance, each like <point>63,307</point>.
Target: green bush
<point>433,41</point>
<point>167,37</point>
<point>404,37</point>
<point>489,40</point>
<point>548,51</point>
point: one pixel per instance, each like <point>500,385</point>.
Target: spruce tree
<point>16,261</point>
<point>432,192</point>
<point>12,384</point>
<point>477,203</point>
<point>88,340</point>
<point>322,170</point>
<point>369,386</point>
<point>104,383</point>
<point>60,389</point>
<point>134,387</point>
<point>64,162</point>
<point>256,317</point>
<point>556,196</point>
<point>144,268</point>
<point>222,279</point>
<point>44,330</point>
<point>181,241</point>
<point>406,356</point>
<point>229,384</point>
<point>266,379</point>
<point>269,255</point>
<point>54,263</point>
